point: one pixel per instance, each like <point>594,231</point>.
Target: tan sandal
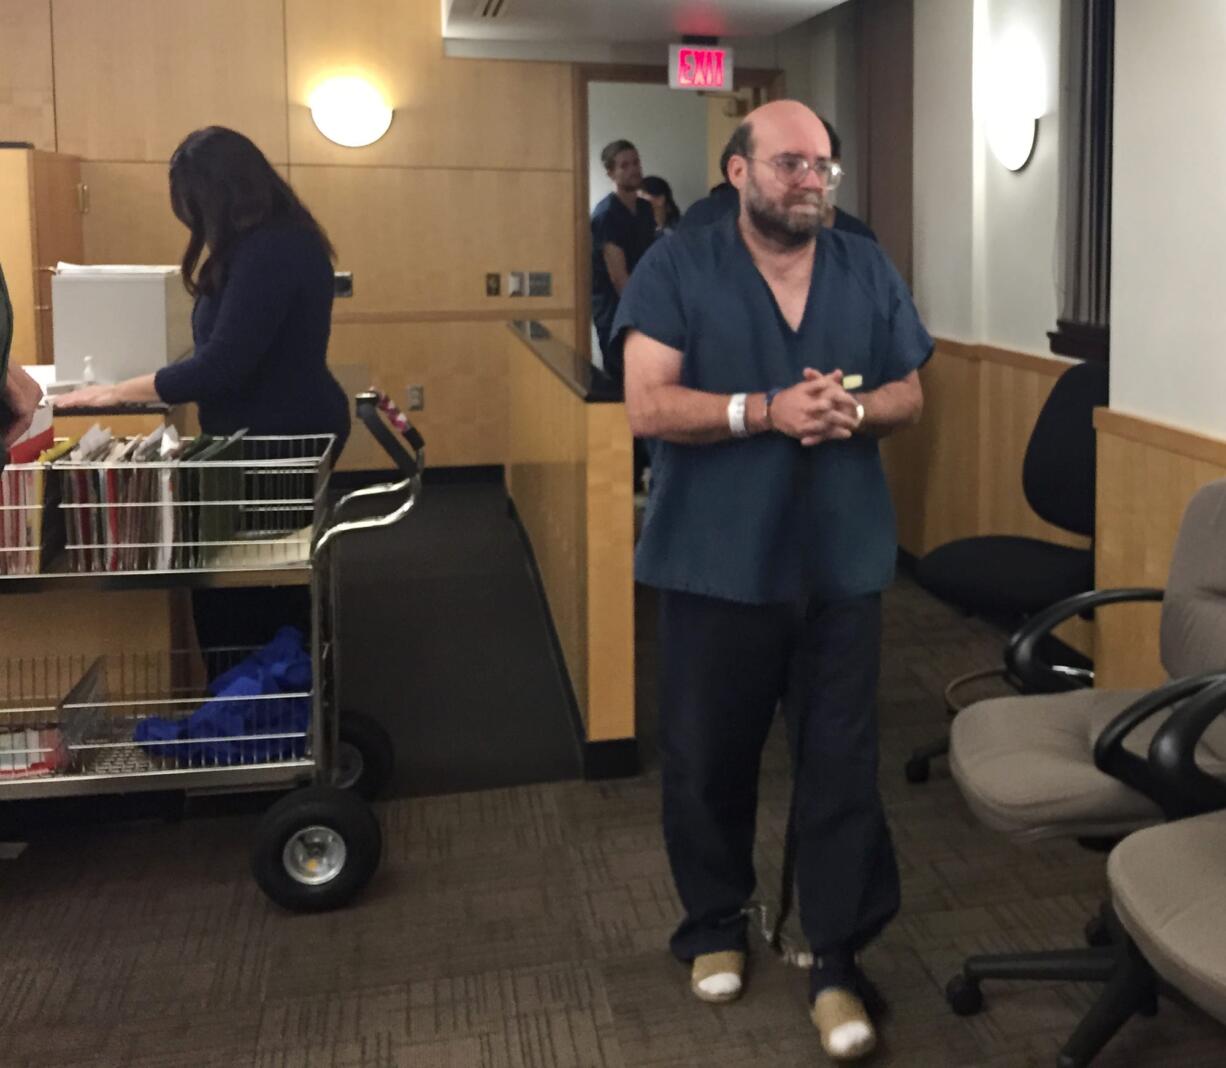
<point>844,1024</point>
<point>717,977</point>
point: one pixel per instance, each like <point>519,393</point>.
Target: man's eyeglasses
<point>792,170</point>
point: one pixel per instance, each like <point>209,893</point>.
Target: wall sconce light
<point>1017,98</point>
<point>350,111</point>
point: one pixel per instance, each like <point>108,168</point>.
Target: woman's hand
<point>89,397</point>
<point>133,391</point>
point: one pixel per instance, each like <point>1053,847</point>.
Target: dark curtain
<point>1087,69</point>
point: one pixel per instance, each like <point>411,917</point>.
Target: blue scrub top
<point>612,224</point>
<point>765,520</point>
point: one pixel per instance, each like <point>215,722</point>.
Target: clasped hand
<point>816,409</point>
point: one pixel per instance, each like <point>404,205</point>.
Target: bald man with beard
<point>770,536</point>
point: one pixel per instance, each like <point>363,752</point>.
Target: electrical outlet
<point>493,284</point>
<point>417,398</point>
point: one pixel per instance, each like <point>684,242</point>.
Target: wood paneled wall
<point>475,175</point>
<point>27,89</point>
<point>17,238</point>
<point>959,472</point>
<point>1147,473</point>
<point>570,478</point>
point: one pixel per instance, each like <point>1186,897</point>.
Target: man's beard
<point>776,223</point>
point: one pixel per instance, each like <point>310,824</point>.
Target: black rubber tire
<point>917,770</point>
<point>965,998</point>
<point>340,811</point>
<point>364,741</point>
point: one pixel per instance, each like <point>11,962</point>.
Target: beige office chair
<point>1168,883</point>
<point>1077,764</point>
<point>1167,888</point>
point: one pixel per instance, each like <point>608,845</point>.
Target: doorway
<point>679,134</point>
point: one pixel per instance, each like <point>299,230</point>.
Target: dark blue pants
<point>724,668</point>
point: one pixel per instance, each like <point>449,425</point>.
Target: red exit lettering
<point>700,68</point>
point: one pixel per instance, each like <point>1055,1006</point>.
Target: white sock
<point>849,1036</point>
<point>720,984</point>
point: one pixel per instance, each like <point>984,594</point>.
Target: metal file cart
<point>256,513</point>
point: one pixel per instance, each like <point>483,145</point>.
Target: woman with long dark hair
<point>659,194</point>
<point>260,268</point>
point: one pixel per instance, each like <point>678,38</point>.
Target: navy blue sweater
<point>261,342</point>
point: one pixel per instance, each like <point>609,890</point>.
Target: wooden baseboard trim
<point>617,759</point>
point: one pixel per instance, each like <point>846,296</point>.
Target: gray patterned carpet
<point>525,928</point>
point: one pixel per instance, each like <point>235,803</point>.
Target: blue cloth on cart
<point>240,709</point>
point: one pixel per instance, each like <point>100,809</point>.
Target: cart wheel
<point>964,996</point>
<point>366,756</point>
<point>316,848</point>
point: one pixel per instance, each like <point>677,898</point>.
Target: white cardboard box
<point>131,320</point>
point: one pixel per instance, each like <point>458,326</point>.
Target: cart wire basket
<point>253,511</point>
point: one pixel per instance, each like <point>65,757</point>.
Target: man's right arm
<point>615,264</point>
<point>659,406</point>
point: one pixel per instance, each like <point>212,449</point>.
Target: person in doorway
<point>770,536</point>
<point>659,194</point>
<point>260,324</point>
<point>722,200</point>
<point>835,217</point>
<point>725,200</point>
<point>623,228</point>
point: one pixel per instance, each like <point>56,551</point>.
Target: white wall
<point>1168,326</point>
<point>1021,238</point>
<point>985,237</point>
<point>818,59</point>
<point>944,203</point>
<point>667,126</point>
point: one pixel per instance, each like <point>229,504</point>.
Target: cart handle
<point>369,406</point>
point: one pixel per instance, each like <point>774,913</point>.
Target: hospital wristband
<point>736,415</point>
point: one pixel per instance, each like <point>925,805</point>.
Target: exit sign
<point>699,67</point>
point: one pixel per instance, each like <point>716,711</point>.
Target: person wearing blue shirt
<point>623,228</point>
<point>260,269</point>
<point>770,536</point>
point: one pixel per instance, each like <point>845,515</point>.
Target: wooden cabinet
<point>40,225</point>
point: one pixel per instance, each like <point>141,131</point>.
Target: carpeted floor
<point>525,928</point>
<point>444,641</point>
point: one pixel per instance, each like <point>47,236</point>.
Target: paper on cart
<point>169,447</point>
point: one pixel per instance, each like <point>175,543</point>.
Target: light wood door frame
<point>768,82</point>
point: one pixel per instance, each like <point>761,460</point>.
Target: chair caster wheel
<point>1097,933</point>
<point>917,770</point>
<point>964,996</point>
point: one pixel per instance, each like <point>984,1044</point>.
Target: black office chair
<point>1009,578</point>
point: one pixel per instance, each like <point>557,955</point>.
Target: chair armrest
<point>1111,757</point>
<point>1185,789</point>
<point>1021,654</point>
